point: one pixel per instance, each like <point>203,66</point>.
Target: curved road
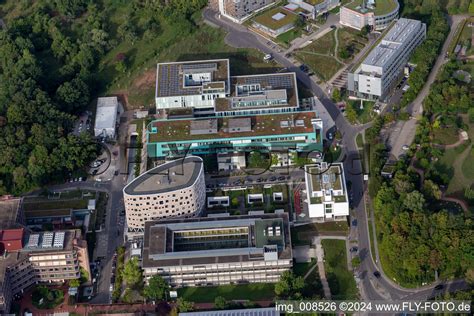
<point>372,288</point>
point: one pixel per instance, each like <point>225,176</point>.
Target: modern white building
<point>173,189</point>
<point>218,250</point>
<point>326,192</point>
<point>378,14</point>
<point>239,10</point>
<point>383,67</point>
<point>316,7</point>
<point>231,161</point>
<point>192,84</point>
<point>106,117</point>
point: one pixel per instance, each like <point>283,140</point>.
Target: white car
<point>267,57</point>
<point>111,288</point>
<point>405,147</point>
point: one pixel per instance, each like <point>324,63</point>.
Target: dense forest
<point>49,53</point>
<point>424,7</point>
<point>419,238</point>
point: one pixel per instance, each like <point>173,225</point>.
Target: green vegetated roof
<point>267,19</point>
<point>382,7</point>
<point>314,2</point>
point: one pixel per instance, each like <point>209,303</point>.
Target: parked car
<point>354,249</point>
<point>439,287</point>
<point>377,274</point>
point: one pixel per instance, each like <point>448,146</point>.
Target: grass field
<point>323,45</point>
<point>468,166</point>
<point>365,114</point>
<point>286,38</point>
<point>352,40</point>
<point>341,281</point>
<point>445,135</point>
<point>252,292</point>
<point>300,269</point>
<point>302,235</point>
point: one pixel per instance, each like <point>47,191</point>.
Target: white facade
<point>326,191</point>
<point>183,196</point>
<point>231,161</point>
<point>240,10</point>
<point>383,67</point>
<point>106,117</point>
<point>358,18</point>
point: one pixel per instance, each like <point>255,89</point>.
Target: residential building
<point>326,192</point>
<point>301,131</point>
<point>378,14</point>
<point>192,84</point>
<point>275,22</point>
<point>316,7</point>
<point>45,257</point>
<point>106,117</point>
<point>173,189</point>
<point>383,67</point>
<point>218,250</point>
<point>239,10</point>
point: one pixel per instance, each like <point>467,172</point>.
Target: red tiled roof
<point>11,239</point>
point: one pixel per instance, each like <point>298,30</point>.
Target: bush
<point>470,113</point>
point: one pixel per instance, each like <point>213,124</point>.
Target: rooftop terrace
<point>276,18</point>
<point>325,178</point>
<point>261,125</point>
<point>381,7</point>
<point>171,77</point>
<point>170,176</point>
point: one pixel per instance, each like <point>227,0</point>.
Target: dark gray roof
<point>171,176</point>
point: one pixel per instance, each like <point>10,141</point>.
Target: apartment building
<point>31,258</point>
<point>326,192</point>
<point>299,131</point>
<point>218,250</point>
<point>378,14</point>
<point>173,189</point>
<point>239,10</point>
<point>382,69</point>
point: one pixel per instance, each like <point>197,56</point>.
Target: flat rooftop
<point>106,114</point>
<point>261,125</point>
<point>392,42</point>
<point>9,212</point>
<point>215,239</point>
<point>208,74</point>
<point>381,7</point>
<point>276,18</point>
<point>325,177</point>
<point>170,176</point>
<point>270,87</point>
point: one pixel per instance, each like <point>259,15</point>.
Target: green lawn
<point>341,281</point>
<point>365,114</point>
<point>323,66</point>
<point>445,135</point>
<point>323,45</point>
<point>287,37</point>
<point>468,166</point>
<point>266,18</point>
<point>359,140</point>
<point>352,40</point>
<point>252,292</point>
<point>302,235</point>
<point>382,8</point>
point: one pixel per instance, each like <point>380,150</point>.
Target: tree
<point>235,202</point>
<point>470,112</point>
<point>184,306</point>
<point>336,95</point>
<point>156,288</point>
<point>74,283</point>
<point>257,160</point>
<point>220,302</point>
<point>414,201</point>
<point>351,114</point>
<point>300,22</point>
<point>431,190</point>
<point>132,273</point>
<point>289,286</point>
<point>73,94</point>
<point>365,30</point>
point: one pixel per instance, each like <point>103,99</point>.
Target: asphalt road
<point>373,288</point>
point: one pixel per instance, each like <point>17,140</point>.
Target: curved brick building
<point>173,189</point>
